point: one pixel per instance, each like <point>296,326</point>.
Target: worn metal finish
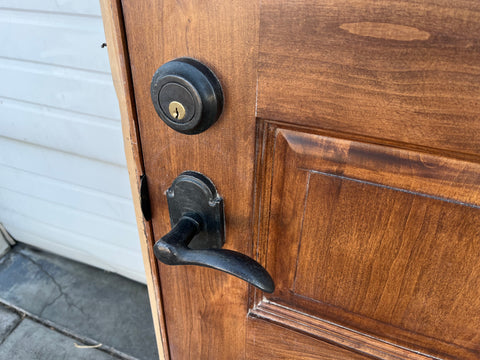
<point>194,87</point>
<point>198,231</point>
<point>193,193</point>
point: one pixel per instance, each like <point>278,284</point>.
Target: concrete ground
<point>55,308</point>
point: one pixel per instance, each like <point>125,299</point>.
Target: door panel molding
<point>361,235</point>
<point>332,333</point>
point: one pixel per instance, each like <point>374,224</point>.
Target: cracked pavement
<point>86,301</point>
<point>58,286</point>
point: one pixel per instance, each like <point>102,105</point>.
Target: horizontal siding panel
<point>79,7</point>
<point>74,221</point>
<point>69,89</point>
<point>84,135</point>
<point>63,182</point>
<point>82,249</point>
<point>54,39</point>
<point>76,197</point>
<point>108,178</point>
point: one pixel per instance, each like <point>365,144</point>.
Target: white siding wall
<point>63,179</point>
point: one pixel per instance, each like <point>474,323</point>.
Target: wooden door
<point>348,157</point>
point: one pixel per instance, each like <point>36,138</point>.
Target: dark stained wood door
<point>348,156</point>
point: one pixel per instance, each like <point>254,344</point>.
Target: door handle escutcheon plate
<point>198,232</point>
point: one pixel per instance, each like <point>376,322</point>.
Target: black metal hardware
<point>145,198</point>
<point>198,232</point>
<point>187,95</point>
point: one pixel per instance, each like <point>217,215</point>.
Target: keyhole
<point>176,109</point>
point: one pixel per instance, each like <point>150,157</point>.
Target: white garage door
<point>63,179</point>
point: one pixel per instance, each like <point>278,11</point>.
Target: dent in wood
<point>386,31</point>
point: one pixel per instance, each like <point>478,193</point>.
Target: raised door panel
<point>372,238</point>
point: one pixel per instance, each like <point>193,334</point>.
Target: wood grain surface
<point>401,71</point>
<point>292,346</point>
<point>303,325</point>
<point>374,238</point>
<point>348,158</point>
<point>204,309</point>
<point>120,66</point>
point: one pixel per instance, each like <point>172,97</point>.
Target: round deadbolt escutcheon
<point>187,95</point>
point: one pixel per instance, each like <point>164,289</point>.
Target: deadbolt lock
<point>176,110</point>
<point>187,95</point>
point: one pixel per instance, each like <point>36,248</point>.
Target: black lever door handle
<point>172,249</point>
<point>196,213</point>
